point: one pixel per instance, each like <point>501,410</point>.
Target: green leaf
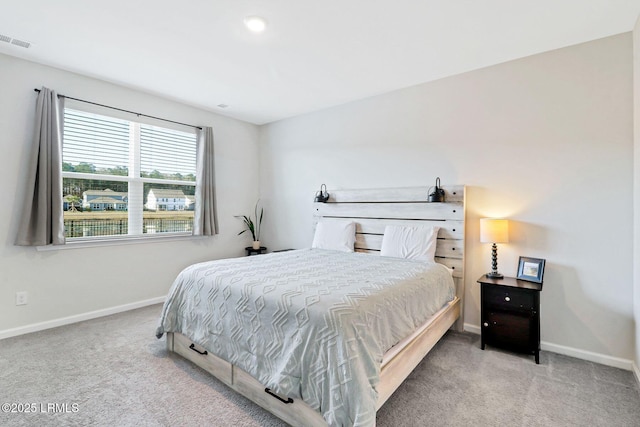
<point>260,221</point>
<point>252,227</point>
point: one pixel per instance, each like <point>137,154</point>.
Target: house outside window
<point>110,167</point>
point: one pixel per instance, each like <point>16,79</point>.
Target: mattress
<point>310,324</point>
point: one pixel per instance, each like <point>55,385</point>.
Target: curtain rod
<point>126,111</point>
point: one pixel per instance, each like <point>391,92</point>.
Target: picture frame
<point>531,269</point>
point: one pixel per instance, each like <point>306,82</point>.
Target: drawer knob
<point>507,299</point>
<point>486,324</point>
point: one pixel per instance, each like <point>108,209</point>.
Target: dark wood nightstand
<point>510,314</point>
<point>251,251</point>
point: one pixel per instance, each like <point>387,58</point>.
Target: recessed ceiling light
<point>256,24</point>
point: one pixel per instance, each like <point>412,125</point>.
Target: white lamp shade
<point>494,230</point>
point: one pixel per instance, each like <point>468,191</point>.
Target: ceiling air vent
<point>14,42</point>
<point>20,43</point>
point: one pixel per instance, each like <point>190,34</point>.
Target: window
<point>119,175</point>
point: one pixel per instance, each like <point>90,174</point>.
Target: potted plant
<point>253,227</point>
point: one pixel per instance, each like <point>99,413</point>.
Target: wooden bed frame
<point>372,210</point>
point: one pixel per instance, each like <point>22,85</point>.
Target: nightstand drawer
<point>509,298</point>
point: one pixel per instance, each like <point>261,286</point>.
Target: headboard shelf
<point>453,193</point>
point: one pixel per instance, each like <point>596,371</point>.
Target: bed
<point>317,336</point>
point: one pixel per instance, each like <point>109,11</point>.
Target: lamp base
<point>494,264</point>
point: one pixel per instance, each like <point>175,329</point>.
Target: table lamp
<point>494,231</point>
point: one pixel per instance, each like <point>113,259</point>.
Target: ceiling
<point>313,55</point>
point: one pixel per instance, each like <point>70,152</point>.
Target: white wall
<point>71,282</point>
<point>546,141</point>
<point>636,192</point>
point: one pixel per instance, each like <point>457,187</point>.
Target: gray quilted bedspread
<point>310,324</point>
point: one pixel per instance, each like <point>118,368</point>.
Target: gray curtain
<point>41,222</point>
<point>205,222</point>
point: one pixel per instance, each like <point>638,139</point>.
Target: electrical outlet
<point>21,298</point>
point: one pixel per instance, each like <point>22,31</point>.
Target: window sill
<point>80,243</point>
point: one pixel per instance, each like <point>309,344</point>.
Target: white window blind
<point>99,141</point>
<point>170,152</point>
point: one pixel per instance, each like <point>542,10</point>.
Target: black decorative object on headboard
<point>322,196</point>
<point>438,193</point>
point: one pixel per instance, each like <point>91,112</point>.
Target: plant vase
<point>256,244</point>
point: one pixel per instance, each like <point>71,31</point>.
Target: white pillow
<point>409,242</point>
<point>336,235</point>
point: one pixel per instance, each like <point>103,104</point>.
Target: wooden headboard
<point>373,209</point>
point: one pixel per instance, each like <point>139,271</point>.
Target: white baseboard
<point>637,372</point>
<point>602,359</point>
<point>474,329</point>
<point>35,327</point>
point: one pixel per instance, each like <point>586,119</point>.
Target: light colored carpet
<point>118,374</point>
